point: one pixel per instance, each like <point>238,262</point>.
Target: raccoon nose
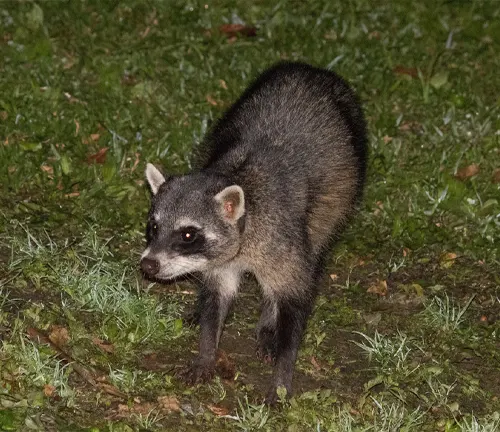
<point>150,266</point>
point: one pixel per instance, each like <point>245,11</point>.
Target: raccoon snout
<point>150,266</point>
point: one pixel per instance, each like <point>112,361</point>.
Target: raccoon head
<point>195,223</point>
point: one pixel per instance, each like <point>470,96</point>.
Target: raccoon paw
<point>198,373</point>
<point>266,347</point>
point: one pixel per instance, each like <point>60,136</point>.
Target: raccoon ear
<point>232,201</point>
<point>155,178</point>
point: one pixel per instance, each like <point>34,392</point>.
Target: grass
<point>91,91</point>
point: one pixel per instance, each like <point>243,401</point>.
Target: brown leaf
<point>404,70</point>
<point>104,345</point>
<point>315,363</point>
<point>496,176</point>
<point>4,115</point>
<point>95,136</point>
<point>223,84</point>
<point>59,335</point>
<point>379,288</point>
<point>387,139</point>
<point>211,100</point>
<point>111,390</point>
<point>233,30</point>
<point>49,170</point>
<point>72,194</point>
<point>467,172</point>
<point>224,366</point>
<point>99,157</point>
<point>137,408</point>
<point>447,259</point>
<point>48,390</point>
<point>168,403</point>
<point>334,276</point>
<point>218,410</point>
<point>145,32</point>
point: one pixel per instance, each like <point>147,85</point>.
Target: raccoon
<point>277,180</point>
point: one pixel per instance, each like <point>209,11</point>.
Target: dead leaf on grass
<point>95,136</point>
<point>233,30</point>
<point>379,288</point>
<point>496,176</point>
<point>49,390</point>
<point>168,403</point>
<point>4,115</point>
<point>49,170</point>
<point>447,259</point>
<point>218,410</point>
<point>59,335</point>
<point>99,157</point>
<point>104,345</point>
<point>211,100</point>
<point>404,70</point>
<point>334,277</point>
<point>223,84</point>
<point>225,366</point>
<point>315,363</point>
<point>467,172</point>
<point>77,125</point>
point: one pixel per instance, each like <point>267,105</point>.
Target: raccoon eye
<point>189,235</point>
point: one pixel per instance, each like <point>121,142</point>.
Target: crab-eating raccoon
<point>278,178</point>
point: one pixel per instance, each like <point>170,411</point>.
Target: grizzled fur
<point>279,176</point>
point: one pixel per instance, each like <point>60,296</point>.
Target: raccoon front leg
<point>266,332</point>
<point>215,298</point>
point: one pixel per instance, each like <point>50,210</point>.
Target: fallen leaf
<point>233,30</point>
<point>59,335</point>
<point>77,127</point>
<point>225,366</point>
<point>483,318</point>
<point>496,176</point>
<point>141,408</point>
<point>315,363</point>
<point>379,288</point>
<point>403,70</point>
<point>334,277</point>
<point>211,100</point>
<point>49,170</point>
<point>48,390</point>
<point>145,32</point>
<point>99,157</point>
<point>4,115</point>
<point>104,345</point>
<point>387,139</point>
<point>95,136</point>
<point>467,172</point>
<point>221,82</point>
<point>218,410</point>
<point>72,194</point>
<point>374,35</point>
<point>168,403</point>
<point>447,259</point>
